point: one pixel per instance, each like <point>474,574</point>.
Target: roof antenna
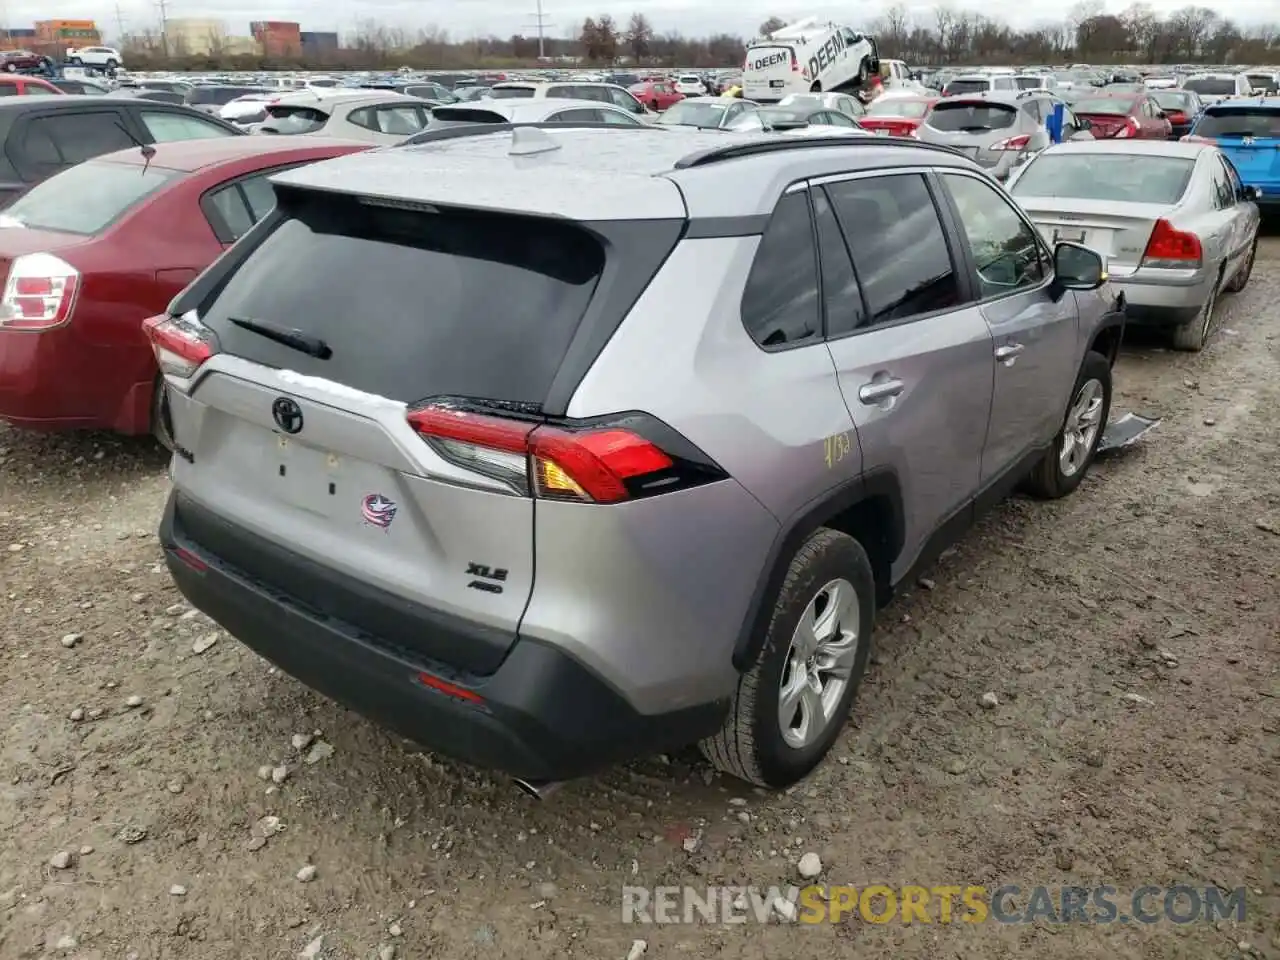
<point>530,141</point>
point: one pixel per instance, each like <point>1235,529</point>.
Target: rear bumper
<point>1152,299</point>
<point>541,715</point>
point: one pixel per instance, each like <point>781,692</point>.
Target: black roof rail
<point>479,128</point>
<point>759,147</point>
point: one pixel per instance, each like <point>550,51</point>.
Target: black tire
<point>864,73</point>
<point>161,427</point>
<point>1192,336</point>
<point>1048,480</point>
<point>653,105</point>
<point>750,746</point>
<point>1241,279</point>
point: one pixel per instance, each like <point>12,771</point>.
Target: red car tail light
<point>1170,247</point>
<point>181,344</point>
<point>39,293</point>
<point>1130,129</point>
<point>626,459</point>
<point>1013,143</point>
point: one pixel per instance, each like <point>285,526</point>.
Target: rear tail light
<point>40,293</point>
<point>1013,143</point>
<point>181,344</point>
<point>631,457</point>
<point>1170,247</point>
<point>1130,129</point>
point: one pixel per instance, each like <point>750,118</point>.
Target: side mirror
<point>1077,267</point>
<point>1250,193</point>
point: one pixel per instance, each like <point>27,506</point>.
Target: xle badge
<point>378,510</point>
<point>491,580</point>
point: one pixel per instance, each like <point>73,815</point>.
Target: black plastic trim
<point>754,148</point>
<point>703,228</point>
<point>482,128</point>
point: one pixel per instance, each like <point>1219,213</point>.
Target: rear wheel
<point>1064,465</point>
<point>1192,336</point>
<point>792,703</point>
<point>1241,279</point>
<point>816,87</point>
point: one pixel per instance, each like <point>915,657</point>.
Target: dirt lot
<point>1157,579</point>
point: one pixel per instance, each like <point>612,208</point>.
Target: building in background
<point>277,38</point>
<point>318,44</point>
<point>23,36</point>
<point>60,34</point>
<point>195,36</point>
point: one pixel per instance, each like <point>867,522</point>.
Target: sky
<point>467,18</point>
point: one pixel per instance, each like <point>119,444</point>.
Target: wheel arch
<point>1108,336</point>
<point>869,509</point>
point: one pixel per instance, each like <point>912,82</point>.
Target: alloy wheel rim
<point>1084,419</point>
<point>819,664</point>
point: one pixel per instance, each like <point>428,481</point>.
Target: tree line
<point>949,35</point>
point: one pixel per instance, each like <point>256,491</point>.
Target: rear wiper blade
<point>294,339</point>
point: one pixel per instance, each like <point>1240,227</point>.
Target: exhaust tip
<point>538,789</point>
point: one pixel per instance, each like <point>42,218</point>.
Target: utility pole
<point>163,6</point>
<point>540,21</point>
<point>121,37</point>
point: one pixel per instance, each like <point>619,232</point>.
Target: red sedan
<point>896,116</point>
<point>15,86</point>
<point>11,61</point>
<point>93,251</point>
<point>656,94</point>
<point>1123,116</point>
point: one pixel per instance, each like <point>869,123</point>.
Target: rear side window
<point>971,117</point>
<point>88,198</point>
<point>412,304</point>
<point>1240,122</point>
<point>780,302</point>
<point>445,117</point>
<point>292,120</point>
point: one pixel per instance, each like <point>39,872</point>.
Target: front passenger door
<point>1035,330</point>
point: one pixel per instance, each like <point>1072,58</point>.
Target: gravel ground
<point>1128,633</point>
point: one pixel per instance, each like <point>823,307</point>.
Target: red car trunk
<point>1103,125</point>
<point>893,126</point>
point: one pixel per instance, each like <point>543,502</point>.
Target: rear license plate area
<point>777,84</point>
<point>1067,235</point>
<point>308,478</point>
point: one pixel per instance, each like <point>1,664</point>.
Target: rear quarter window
<point>287,119</point>
<point>86,199</point>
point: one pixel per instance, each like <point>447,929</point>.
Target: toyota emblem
<point>287,414</point>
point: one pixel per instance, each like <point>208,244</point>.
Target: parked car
<point>1213,87</point>
<point>896,116</point>
<point>578,90</point>
<point>143,93</point>
<point>93,251</point>
<point>433,93</point>
<point>211,99</point>
<point>1264,81</point>
<point>840,102</point>
<point>106,58</point>
<point>690,85</point>
<point>657,95</point>
<point>15,86</point>
<point>529,111</point>
<point>1248,133</point>
<point>367,115</point>
<point>980,83</point>
<point>1124,116</point>
<point>79,87</point>
<point>1181,107</point>
<point>160,83</point>
<point>813,372</point>
<point>11,61</point>
<point>706,113</point>
<point>42,136</point>
<point>812,120</point>
<point>1174,221</point>
<point>995,129</point>
<point>246,110</point>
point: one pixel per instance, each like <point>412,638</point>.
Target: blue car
<point>1247,130</point>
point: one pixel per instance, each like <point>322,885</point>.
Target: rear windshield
<point>967,86</point>
<point>897,108</point>
<point>1117,177</point>
<point>1215,88</point>
<point>86,198</point>
<point>287,119</point>
<point>1172,100</point>
<point>446,116</point>
<point>511,93</point>
<point>1264,81</point>
<point>219,96</point>
<point>971,117</point>
<point>1240,122</point>
<point>1029,83</point>
<point>413,304</point>
<point>1104,106</point>
<point>691,113</point>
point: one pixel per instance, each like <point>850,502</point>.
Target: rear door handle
<point>1009,352</point>
<point>880,390</point>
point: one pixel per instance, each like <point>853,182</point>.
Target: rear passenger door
<point>42,144</point>
<point>913,356</point>
<point>1034,329</point>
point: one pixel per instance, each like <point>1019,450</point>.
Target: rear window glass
<point>511,93</point>
<point>897,108</point>
<point>217,95</point>
<point>413,304</point>
<point>442,117</point>
<point>1106,106</point>
<point>972,117</point>
<point>1117,177</point>
<point>1214,88</point>
<point>1240,122</point>
<point>967,86</point>
<point>1029,83</point>
<point>85,198</point>
<point>1172,100</point>
<point>287,119</point>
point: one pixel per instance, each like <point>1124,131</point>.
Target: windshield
<point>1173,100</point>
<point>898,108</point>
<point>289,120</point>
<point>1212,86</point>
<point>967,86</point>
<point>1240,122</point>
<point>1264,81</point>
<point>86,198</point>
<point>1103,106</point>
<point>687,114</point>
<point>510,93</point>
<point>1029,83</point>
<point>217,95</point>
<point>971,116</point>
<point>1113,176</point>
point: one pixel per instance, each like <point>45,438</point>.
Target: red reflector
<point>511,436</point>
<point>449,689</point>
<point>190,559</point>
<point>34,287</point>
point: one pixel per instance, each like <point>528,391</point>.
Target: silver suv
<point>552,447</point>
